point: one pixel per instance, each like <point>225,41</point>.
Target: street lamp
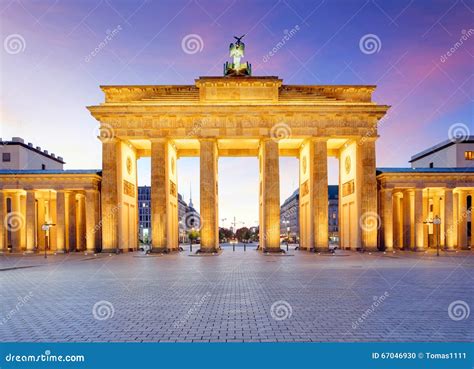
<point>287,222</point>
<point>437,222</point>
<point>45,227</point>
<point>191,235</point>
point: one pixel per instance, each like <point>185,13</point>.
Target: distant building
<point>144,214</point>
<point>333,213</point>
<point>188,216</point>
<point>289,215</point>
<point>16,155</point>
<point>447,154</point>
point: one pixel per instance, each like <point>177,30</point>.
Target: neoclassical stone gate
<point>239,116</point>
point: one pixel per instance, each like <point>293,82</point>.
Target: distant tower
<point>190,197</point>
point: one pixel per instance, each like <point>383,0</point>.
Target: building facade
<point>411,199</point>
<point>16,155</point>
<point>188,217</point>
<point>234,116</point>
<point>289,215</point>
<point>452,153</point>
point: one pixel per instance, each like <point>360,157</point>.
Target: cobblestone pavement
<point>237,296</point>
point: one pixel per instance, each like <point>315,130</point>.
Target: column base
<point>274,251</point>
<point>321,249</point>
<point>159,250</point>
<point>60,252</point>
<point>112,251</point>
<point>419,249</point>
<point>29,252</point>
<point>208,251</point>
<point>371,249</point>
<point>449,250</point>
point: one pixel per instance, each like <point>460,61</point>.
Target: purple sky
<point>47,82</point>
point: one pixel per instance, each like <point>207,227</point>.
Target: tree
<point>225,234</point>
<point>193,235</point>
<point>242,234</point>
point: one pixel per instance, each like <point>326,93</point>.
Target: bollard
<point>287,246</point>
<point>191,247</point>
<point>245,247</point>
<point>233,247</point>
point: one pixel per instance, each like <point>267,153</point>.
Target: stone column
<point>91,220</point>
<point>41,235</point>
<point>71,228</point>
<point>448,219</point>
<point>454,230</point>
<point>208,191</point>
<point>16,222</point>
<point>3,242</point>
<point>270,198</point>
<point>472,220</point>
<point>387,218</point>
<point>109,194</point>
<point>426,215</point>
<point>419,244</point>
<point>30,221</point>
<point>159,216</point>
<point>367,192</point>
<point>462,220</point>
<point>408,228</point>
<point>60,221</point>
<point>397,223</point>
<point>319,162</point>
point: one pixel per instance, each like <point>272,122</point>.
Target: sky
<point>49,71</point>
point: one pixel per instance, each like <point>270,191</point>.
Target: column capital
<point>207,139</point>
<point>319,138</point>
<point>158,139</point>
<point>106,140</point>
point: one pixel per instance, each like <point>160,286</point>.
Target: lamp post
<point>45,227</point>
<point>191,235</point>
<point>287,222</point>
<point>437,222</point>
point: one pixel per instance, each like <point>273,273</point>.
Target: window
<point>469,155</point>
<point>43,166</point>
<point>6,156</point>
<point>431,165</point>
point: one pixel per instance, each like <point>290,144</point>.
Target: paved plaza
<point>237,296</point>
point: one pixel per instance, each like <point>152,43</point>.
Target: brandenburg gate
<point>239,115</point>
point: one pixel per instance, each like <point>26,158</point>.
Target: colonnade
<point>72,214</point>
<point>408,214</point>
